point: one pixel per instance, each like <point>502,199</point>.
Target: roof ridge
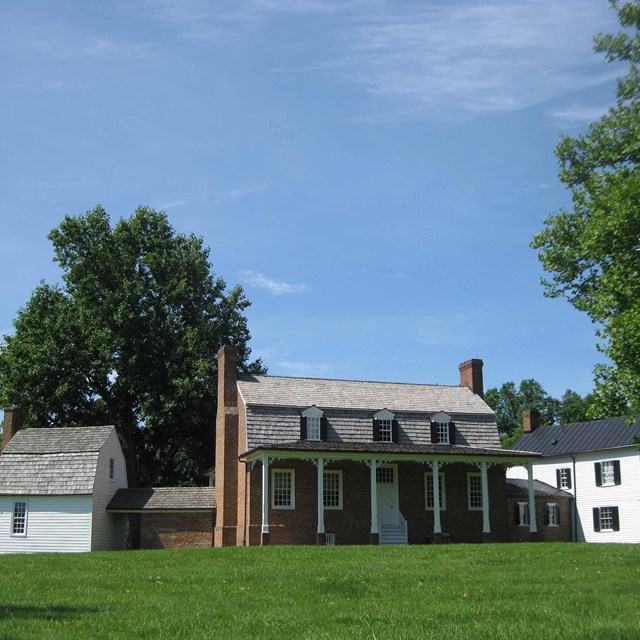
<point>412,384</point>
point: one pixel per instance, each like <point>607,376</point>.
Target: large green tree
<point>510,400</point>
<point>592,251</point>
<point>130,339</point>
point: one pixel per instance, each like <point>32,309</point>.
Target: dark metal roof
<point>518,487</point>
<point>576,437</point>
<point>164,499</point>
<point>385,447</point>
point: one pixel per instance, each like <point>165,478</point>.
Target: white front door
<point>387,490</point>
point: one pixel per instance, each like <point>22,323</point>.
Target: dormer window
<point>385,427</point>
<point>442,429</point>
<point>313,425</point>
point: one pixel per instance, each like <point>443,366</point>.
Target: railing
<point>403,526</point>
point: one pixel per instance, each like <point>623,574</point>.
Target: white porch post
<point>437,527</point>
<point>265,498</point>
<point>532,501</point>
<point>320,536</point>
<point>374,503</point>
<point>486,526</point>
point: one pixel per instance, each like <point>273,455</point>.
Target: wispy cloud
<point>578,114</point>
<point>173,204</point>
<point>470,59</point>
<point>277,287</point>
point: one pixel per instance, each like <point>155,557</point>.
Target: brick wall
<point>176,530</point>
<point>546,533</point>
<point>351,525</point>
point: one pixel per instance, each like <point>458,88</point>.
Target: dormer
<point>443,429</point>
<point>313,424</point>
<point>385,426</point>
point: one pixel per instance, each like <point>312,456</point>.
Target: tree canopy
<point>129,338</point>
<point>509,401</point>
<point>592,251</point>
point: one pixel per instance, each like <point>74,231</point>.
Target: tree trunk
<point>127,432</point>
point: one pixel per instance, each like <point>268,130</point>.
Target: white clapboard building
<point>55,485</point>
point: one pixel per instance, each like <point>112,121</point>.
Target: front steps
<point>392,534</point>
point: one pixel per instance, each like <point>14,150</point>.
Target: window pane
<point>475,491</point>
<point>607,473</point>
<point>606,519</point>
<point>282,488</point>
<point>385,431</point>
<point>19,523</point>
<point>384,475</point>
<point>313,428</point>
<point>332,490</point>
<point>443,432</point>
<point>429,491</point>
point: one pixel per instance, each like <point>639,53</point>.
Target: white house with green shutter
<point>598,462</point>
<point>55,485</point>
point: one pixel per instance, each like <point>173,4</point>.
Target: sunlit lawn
<point>540,591</point>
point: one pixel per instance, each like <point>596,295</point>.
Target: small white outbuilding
<point>55,485</point>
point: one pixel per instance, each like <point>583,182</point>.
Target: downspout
<point>575,501</point>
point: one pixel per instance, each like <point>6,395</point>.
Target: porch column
<point>437,527</point>
<point>375,535</point>
<point>486,525</point>
<point>265,500</point>
<point>320,536</point>
<point>533,529</point>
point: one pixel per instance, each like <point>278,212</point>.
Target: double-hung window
<point>428,491</point>
<point>607,473</point>
<point>385,431</point>
<point>19,518</point>
<point>563,478</point>
<point>523,514</point>
<point>553,514</point>
<point>311,424</point>
<point>313,428</point>
<point>332,490</point>
<point>606,519</point>
<point>385,426</point>
<point>442,429</point>
<point>112,468</point>
<point>474,491</point>
<point>283,489</point>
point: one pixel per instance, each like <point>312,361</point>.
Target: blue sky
<point>371,172</point>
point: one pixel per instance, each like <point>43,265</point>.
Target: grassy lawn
<point>540,591</point>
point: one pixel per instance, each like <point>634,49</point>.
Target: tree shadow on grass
<point>43,613</point>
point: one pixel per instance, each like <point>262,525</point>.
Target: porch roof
<point>141,499</point>
<point>366,449</point>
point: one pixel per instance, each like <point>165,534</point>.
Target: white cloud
<point>578,114</point>
<point>256,279</point>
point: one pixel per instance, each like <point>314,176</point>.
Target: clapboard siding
<point>108,531</point>
<point>625,496</point>
<point>54,523</point>
<point>273,425</point>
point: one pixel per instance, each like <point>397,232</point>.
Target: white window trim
<point>427,491</point>
<point>292,505</point>
<point>612,481</point>
<point>314,412</point>
<point>340,494</point>
<point>602,529</point>
<point>552,508</point>
<point>443,420</point>
<point>565,479</point>
<point>475,474</point>
<point>524,517</point>
<point>26,518</point>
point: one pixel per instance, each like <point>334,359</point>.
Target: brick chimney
<point>530,420</point>
<point>471,376</point>
<point>227,434</point>
<point>10,425</point>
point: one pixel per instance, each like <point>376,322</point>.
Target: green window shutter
<point>434,433</point>
<point>598,469</point>
<point>616,518</point>
<point>323,428</point>
<point>376,430</point>
<point>394,431</point>
<point>569,485</point>
<point>303,428</point>
<point>558,483</point>
<point>452,432</point>
<point>596,519</point>
<point>616,472</point>
<point>557,510</point>
<point>547,510</point>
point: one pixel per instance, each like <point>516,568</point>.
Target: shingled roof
<point>282,391</point>
<point>52,461</point>
<point>164,499</point>
<point>578,437</point>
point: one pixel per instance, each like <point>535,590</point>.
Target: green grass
<point>541,591</point>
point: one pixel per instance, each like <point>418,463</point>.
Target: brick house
<point>304,461</point>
